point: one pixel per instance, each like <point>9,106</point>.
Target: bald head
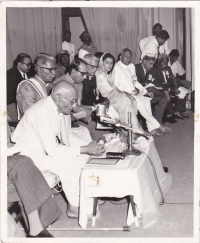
<point>64,96</point>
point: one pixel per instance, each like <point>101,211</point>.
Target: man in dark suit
<point>159,101</point>
<point>15,75</point>
<point>91,96</point>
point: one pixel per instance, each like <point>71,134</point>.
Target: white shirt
<point>176,68</point>
<point>67,46</point>
<point>23,74</point>
<point>126,79</point>
<point>37,131</point>
<point>150,45</point>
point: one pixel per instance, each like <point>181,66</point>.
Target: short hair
<point>98,54</point>
<point>174,53</point>
<point>83,34</point>
<point>75,64</point>
<point>126,49</point>
<point>60,54</point>
<point>157,25</point>
<point>163,34</point>
<point>42,58</point>
<point>148,58</point>
<point>20,58</point>
<point>163,57</point>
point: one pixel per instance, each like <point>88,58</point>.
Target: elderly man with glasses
<point>40,136</point>
<point>31,90</point>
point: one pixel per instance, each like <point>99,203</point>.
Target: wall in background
<point>76,28</point>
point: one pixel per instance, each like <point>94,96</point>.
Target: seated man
<point>67,45</point>
<point>155,45</point>
<point>62,63</point>
<point>27,185</point>
<point>162,77</point>
<point>40,138</point>
<point>159,101</point>
<point>155,30</point>
<point>87,43</point>
<point>15,75</point>
<point>91,95</point>
<point>177,69</point>
<point>125,79</point>
<point>30,91</point>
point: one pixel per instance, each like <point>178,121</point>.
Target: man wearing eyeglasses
<point>30,91</point>
<point>41,138</point>
<point>15,75</point>
<point>91,96</point>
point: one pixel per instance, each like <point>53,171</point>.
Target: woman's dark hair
<point>108,55</point>
<point>20,58</point>
<point>174,53</point>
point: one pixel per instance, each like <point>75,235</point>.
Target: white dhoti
<point>144,107</point>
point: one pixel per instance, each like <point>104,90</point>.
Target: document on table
<point>102,161</point>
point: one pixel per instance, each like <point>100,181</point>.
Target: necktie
<point>24,76</point>
<point>158,51</point>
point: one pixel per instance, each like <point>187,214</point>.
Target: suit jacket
<point>90,93</point>
<point>140,73</point>
<point>14,77</point>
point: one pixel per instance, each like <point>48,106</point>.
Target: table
<point>128,177</point>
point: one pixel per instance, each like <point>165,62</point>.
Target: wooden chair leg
<point>94,211</point>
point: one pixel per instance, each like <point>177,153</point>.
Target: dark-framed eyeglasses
<point>93,67</point>
<point>83,73</point>
<point>71,101</point>
<point>27,64</point>
<point>50,69</point>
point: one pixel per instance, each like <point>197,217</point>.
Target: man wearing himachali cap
<point>90,94</point>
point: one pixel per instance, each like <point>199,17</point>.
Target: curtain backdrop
<point>113,29</point>
<point>33,30</point>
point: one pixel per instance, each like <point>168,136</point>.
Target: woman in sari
<point>122,102</point>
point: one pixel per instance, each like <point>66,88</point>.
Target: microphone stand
<point>130,151</point>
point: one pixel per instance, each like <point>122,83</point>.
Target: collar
<point>145,71</point>
<point>123,65</point>
<point>90,77</point>
<point>22,73</point>
<point>53,105</point>
<point>41,80</point>
<point>69,79</point>
<point>155,41</point>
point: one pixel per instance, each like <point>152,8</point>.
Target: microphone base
<point>131,153</point>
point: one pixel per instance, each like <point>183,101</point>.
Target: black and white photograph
<point>100,114</point>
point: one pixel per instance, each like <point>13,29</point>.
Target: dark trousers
<point>159,103</point>
<point>27,184</point>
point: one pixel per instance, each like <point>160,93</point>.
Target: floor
<point>176,151</point>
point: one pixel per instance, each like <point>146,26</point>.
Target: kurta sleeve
<point>44,131</point>
<point>26,96</point>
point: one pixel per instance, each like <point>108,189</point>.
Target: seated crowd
<point>54,106</point>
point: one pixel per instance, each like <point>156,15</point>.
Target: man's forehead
<point>127,53</point>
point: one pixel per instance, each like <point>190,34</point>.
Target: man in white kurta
<point>38,133</point>
<point>126,80</point>
<point>155,45</point>
<point>68,46</point>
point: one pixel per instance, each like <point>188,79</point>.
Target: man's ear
<point>73,72</point>
<point>58,98</point>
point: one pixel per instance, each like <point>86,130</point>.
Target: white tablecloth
<point>128,177</point>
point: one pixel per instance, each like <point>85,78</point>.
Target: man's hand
<point>150,94</point>
<point>106,102</point>
<point>93,148</point>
